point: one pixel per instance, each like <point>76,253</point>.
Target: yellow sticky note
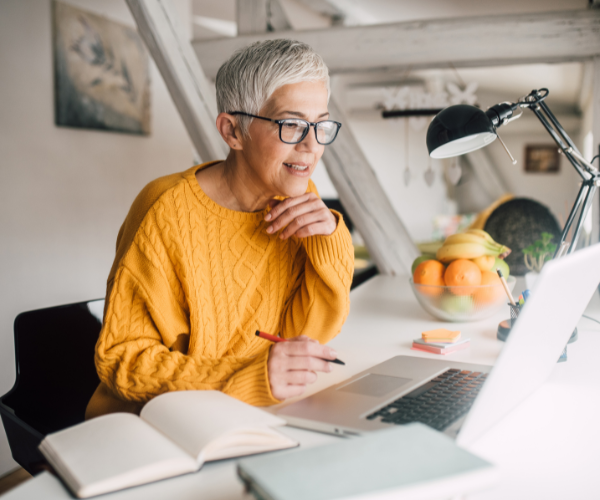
<point>441,335</point>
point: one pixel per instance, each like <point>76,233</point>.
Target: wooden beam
<point>596,135</point>
<point>159,27</point>
<point>326,8</point>
<point>476,41</point>
<point>278,21</point>
<point>251,16</point>
<point>260,16</point>
<point>386,237</point>
<point>487,173</point>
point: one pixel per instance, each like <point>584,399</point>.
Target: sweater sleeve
<point>319,301</point>
<point>136,355</point>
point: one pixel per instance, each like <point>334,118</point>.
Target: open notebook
<point>175,434</point>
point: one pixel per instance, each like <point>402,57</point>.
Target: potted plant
<point>536,255</point>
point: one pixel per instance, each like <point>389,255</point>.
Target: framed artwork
<point>101,73</point>
<point>542,158</point>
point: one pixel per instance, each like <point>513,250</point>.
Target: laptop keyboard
<point>437,403</point>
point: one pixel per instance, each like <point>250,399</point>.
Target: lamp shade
<point>459,129</point>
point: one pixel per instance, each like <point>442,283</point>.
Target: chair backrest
<point>56,376</point>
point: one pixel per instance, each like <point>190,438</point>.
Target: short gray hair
<point>248,79</point>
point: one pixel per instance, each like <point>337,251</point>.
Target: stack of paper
<point>441,335</point>
<point>439,347</point>
<point>440,341</point>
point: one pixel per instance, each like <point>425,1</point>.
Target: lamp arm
<point>535,102</point>
<point>562,144</point>
<point>590,174</point>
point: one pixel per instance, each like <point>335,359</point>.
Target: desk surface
<point>549,447</point>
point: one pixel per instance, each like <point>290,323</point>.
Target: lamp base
<point>504,328</point>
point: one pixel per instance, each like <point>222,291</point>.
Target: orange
<point>462,273</point>
<point>489,293</point>
<point>430,272</point>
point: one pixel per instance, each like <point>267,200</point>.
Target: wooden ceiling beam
<point>549,37</point>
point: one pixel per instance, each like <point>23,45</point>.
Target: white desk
<point>548,448</point>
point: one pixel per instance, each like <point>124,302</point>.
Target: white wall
<point>64,192</point>
<point>384,144</point>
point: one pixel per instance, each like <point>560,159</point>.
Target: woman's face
<point>284,169</point>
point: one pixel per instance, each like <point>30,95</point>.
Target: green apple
<point>457,304</point>
<point>503,266</point>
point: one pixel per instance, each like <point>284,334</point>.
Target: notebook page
<point>113,452</point>
<point>193,419</point>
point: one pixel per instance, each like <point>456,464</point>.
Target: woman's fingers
<point>293,365</point>
<point>284,205</point>
<point>304,349</point>
<point>309,363</point>
<point>302,216</point>
<point>293,212</point>
<point>304,220</point>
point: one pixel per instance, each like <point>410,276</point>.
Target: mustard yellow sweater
<point>191,283</point>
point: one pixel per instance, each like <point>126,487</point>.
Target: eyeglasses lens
<point>326,132</point>
<point>292,131</point>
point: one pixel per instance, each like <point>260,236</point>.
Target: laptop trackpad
<point>375,385</point>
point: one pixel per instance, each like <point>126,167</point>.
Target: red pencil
<point>273,338</point>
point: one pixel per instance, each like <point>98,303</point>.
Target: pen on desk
<point>273,338</point>
<point>505,285</point>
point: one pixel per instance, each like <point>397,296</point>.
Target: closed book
<point>442,345</point>
<point>439,350</point>
<point>175,434</point>
<point>409,462</point>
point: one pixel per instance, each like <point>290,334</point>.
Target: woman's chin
<point>296,189</point>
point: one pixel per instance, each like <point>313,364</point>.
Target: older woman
<point>208,256</point>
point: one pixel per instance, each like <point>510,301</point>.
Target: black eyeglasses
<point>294,130</point>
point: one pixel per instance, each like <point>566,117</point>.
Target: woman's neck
<point>233,186</point>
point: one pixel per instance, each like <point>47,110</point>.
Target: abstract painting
<point>101,73</point>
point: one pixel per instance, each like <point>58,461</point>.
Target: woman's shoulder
<point>146,202</point>
<point>154,190</point>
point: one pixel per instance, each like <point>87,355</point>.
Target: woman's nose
<point>309,143</point>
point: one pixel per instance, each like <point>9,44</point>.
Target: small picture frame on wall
<point>542,158</point>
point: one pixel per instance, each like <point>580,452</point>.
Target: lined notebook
<point>409,462</point>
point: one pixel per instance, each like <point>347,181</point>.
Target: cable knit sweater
<point>191,283</point>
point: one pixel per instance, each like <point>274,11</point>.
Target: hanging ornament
<point>466,95</point>
<point>454,173</point>
<point>407,174</point>
<point>429,174</point>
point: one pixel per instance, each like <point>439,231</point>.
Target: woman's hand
<point>293,365</point>
<point>301,216</point>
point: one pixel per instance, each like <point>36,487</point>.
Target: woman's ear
<point>230,132</point>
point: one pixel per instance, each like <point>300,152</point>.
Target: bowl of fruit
<point>461,283</point>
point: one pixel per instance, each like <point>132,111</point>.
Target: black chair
<point>56,376</point>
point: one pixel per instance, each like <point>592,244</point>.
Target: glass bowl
<point>462,303</point>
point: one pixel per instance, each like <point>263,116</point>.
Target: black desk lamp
<point>460,129</point>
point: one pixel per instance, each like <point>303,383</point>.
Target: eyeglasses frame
<point>281,122</point>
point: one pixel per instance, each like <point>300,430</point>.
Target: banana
<point>481,233</point>
<point>471,238</point>
<point>455,251</point>
<point>468,250</point>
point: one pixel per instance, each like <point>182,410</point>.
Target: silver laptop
<point>463,400</point>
